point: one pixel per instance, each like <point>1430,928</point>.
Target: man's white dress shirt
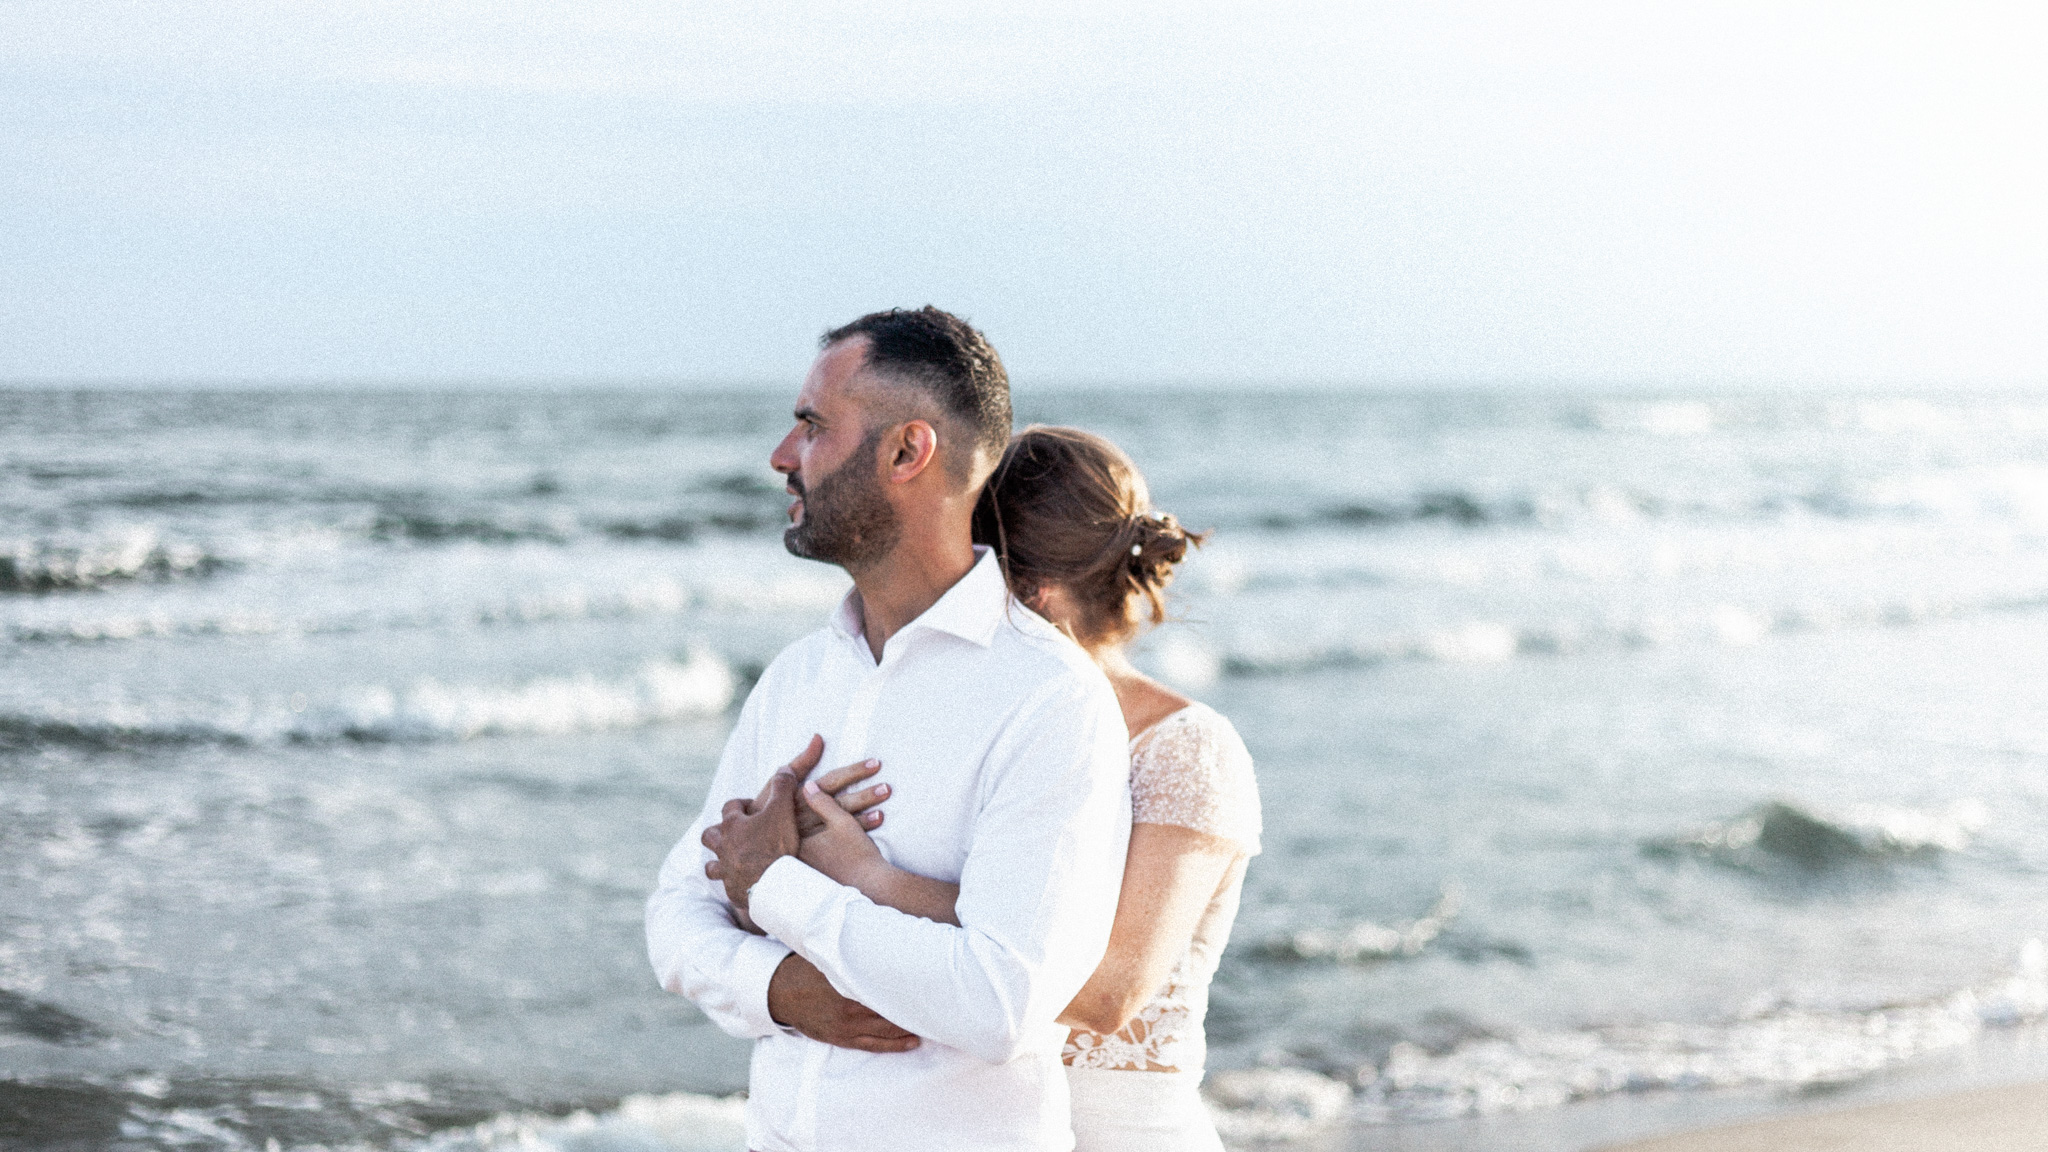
<point>1005,752</point>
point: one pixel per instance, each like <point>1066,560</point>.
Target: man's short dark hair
<point>945,357</point>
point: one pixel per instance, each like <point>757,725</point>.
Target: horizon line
<point>702,385</point>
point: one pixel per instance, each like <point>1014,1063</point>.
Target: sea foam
<point>1369,940</point>
<point>702,684</point>
<point>1777,1046</point>
<point>138,556</point>
<point>1781,1046</point>
<point>676,1122</point>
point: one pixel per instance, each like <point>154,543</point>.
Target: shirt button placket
<point>860,708</point>
<point>853,740</point>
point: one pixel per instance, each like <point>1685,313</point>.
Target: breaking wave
<point>424,527</point>
<point>1778,1046</point>
<point>1463,509</point>
<point>1266,1105</point>
<point>36,1020</point>
<point>1367,940</point>
<point>655,597</point>
<point>1251,653</point>
<point>43,567</point>
<point>2001,493</point>
<point>1777,836</point>
<point>219,1115</point>
<point>432,528</point>
<point>427,710</point>
<point>676,1122</point>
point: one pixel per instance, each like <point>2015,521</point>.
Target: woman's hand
<point>833,819</point>
<point>838,783</point>
<point>845,852</point>
<point>841,847</point>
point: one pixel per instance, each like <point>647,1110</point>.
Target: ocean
<point>1626,760</point>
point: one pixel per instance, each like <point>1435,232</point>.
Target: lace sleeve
<point>1191,770</point>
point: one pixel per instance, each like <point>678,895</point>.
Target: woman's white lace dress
<point>1190,770</point>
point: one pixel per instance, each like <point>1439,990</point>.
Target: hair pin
<point>1137,549</point>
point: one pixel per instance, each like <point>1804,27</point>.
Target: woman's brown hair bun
<point>1158,543</point>
<point>1067,508</point>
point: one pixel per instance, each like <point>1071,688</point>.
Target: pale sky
<point>1383,194</point>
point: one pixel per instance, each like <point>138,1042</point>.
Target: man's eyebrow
<point>809,413</point>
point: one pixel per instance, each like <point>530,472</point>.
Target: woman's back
<point>1190,770</point>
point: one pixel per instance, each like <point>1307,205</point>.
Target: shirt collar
<point>971,609</point>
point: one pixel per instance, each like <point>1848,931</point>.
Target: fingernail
<point>811,786</point>
<point>881,789</point>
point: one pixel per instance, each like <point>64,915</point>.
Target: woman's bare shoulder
<point>1147,702</point>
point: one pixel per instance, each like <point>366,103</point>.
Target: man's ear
<point>909,450</point>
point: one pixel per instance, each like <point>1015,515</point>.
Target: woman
<point>1069,516</point>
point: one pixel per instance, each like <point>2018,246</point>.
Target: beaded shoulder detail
<point>1192,770</point>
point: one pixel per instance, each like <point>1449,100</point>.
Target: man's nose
<point>784,459</point>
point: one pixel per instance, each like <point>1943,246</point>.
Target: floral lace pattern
<point>1156,1040</point>
<point>1190,770</point>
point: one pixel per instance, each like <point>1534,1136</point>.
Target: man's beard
<point>847,521</point>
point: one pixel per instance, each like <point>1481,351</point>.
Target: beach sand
<point>2006,1119</point>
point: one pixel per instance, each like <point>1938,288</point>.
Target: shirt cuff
<point>789,897</point>
<point>752,966</point>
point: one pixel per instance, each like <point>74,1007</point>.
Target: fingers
<point>808,758</point>
<point>837,779</point>
<point>837,782</point>
<point>712,837</point>
<point>825,806</point>
<point>799,767</point>
<point>808,823</point>
<point>881,1044</point>
<point>734,808</point>
<point>865,1021</point>
<point>861,801</point>
<point>872,1032</point>
<point>714,871</point>
<point>782,792</point>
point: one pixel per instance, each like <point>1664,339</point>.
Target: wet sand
<point>2005,1119</point>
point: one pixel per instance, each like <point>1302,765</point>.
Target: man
<point>1006,754</point>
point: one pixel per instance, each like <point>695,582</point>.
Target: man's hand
<point>800,997</point>
<point>839,782</point>
<point>750,837</point>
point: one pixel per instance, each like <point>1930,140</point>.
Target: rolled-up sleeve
<point>1038,891</point>
<point>698,950</point>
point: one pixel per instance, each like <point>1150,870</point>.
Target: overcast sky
<point>1392,194</point>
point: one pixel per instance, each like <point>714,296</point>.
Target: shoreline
<point>1994,1075</point>
<point>2007,1117</point>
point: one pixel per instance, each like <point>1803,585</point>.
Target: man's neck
<point>899,587</point>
